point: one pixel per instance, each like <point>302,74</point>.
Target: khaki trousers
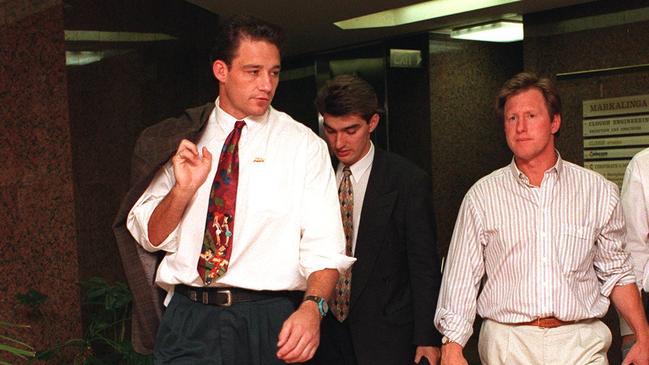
<point>585,342</point>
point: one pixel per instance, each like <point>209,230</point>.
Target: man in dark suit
<point>382,310</point>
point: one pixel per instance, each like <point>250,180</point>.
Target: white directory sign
<point>616,126</point>
<point>617,141</point>
<point>612,169</point>
<point>614,130</point>
<point>616,153</point>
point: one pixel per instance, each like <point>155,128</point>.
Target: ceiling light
<point>417,12</point>
<point>499,31</point>
<point>82,58</point>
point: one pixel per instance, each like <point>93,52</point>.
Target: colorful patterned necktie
<point>217,242</point>
<point>340,305</point>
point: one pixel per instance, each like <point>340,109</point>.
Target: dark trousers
<point>336,347</point>
<point>243,334</point>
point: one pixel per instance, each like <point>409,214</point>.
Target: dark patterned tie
<point>217,242</point>
<point>340,305</point>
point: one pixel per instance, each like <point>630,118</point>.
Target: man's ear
<point>374,122</point>
<point>220,70</point>
<point>556,123</point>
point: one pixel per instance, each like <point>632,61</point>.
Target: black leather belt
<point>226,297</point>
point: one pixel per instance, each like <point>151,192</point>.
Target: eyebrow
<point>256,66</point>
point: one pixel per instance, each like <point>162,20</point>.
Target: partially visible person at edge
<point>635,203</point>
<point>384,314</point>
<point>547,237</point>
<point>241,200</point>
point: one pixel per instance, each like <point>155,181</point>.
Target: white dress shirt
<point>553,250</point>
<point>359,178</point>
<point>288,222</point>
<point>635,203</point>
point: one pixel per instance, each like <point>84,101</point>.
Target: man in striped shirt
<point>545,237</point>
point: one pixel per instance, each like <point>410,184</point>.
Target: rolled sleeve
<point>137,221</point>
<point>464,268</point>
<point>453,326</point>
<point>612,263</point>
<point>645,279</point>
<point>322,243</point>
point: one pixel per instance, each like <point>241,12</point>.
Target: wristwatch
<point>446,340</point>
<point>322,304</point>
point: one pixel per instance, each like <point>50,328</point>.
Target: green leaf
<point>16,351</point>
<point>31,298</point>
<point>16,341</point>
<point>8,324</point>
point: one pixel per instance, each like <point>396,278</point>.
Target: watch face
<point>325,307</point>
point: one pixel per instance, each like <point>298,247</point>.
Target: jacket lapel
<point>375,219</point>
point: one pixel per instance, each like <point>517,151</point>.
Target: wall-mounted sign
<point>615,129</point>
<point>612,170</point>
<point>617,141</point>
<point>616,106</point>
<point>616,125</point>
<point>616,153</point>
<point>405,58</point>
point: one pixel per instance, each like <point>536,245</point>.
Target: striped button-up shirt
<point>554,250</point>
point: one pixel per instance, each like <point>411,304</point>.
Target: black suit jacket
<point>396,278</point>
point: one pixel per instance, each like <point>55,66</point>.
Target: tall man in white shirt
<point>288,235</point>
<point>382,312</point>
<point>635,203</point>
<point>546,238</point>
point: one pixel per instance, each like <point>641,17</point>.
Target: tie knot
<point>346,171</point>
<point>239,124</point>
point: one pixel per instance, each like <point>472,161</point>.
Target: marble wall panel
<point>37,218</point>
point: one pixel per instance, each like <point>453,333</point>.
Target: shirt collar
<point>226,121</point>
<point>361,166</point>
<point>520,176</point>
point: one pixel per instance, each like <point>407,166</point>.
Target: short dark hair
<point>239,27</point>
<point>348,94</point>
<point>525,81</point>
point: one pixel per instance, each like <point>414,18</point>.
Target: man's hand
<point>431,353</point>
<point>189,169</point>
<point>628,302</point>
<point>452,354</point>
<point>300,334</point>
<point>190,172</point>
<point>639,353</point>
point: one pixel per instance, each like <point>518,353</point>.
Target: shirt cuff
<point>623,278</point>
<point>138,224</point>
<point>315,263</point>
<point>454,327</point>
<point>644,280</point>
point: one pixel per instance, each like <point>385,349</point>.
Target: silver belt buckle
<point>229,300</point>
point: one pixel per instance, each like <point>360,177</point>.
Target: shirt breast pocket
<point>270,190</point>
<point>575,248</point>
